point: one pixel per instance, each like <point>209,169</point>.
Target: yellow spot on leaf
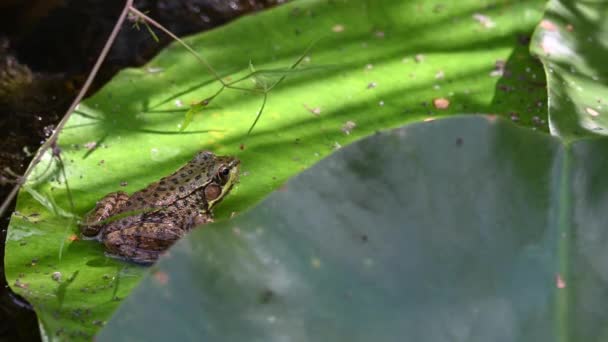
<point>217,134</point>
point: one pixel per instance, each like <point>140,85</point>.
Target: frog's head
<point>222,173</point>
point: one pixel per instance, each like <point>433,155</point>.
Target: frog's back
<point>180,184</point>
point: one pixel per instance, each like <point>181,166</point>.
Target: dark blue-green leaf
<point>443,231</point>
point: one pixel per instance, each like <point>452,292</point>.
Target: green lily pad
<point>571,41</point>
<point>378,65</point>
<point>466,229</point>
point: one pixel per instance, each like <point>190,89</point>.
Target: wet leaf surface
<point>571,41</point>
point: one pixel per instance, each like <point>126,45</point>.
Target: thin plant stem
<point>176,38</point>
<point>194,53</point>
<point>294,65</point>
<point>257,117</point>
<point>214,73</point>
<point>154,36</point>
<point>67,185</point>
<point>52,140</point>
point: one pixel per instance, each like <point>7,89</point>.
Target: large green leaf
<point>459,230</point>
<point>381,64</point>
<point>571,40</point>
<point>467,229</point>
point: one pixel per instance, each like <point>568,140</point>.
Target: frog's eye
<point>222,175</point>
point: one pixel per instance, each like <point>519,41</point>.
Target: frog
<point>141,226</point>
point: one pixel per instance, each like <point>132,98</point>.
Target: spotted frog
<point>141,226</point>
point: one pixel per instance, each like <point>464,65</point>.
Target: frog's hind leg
<point>109,205</point>
<point>142,243</point>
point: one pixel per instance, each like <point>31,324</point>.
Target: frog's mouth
<point>233,178</point>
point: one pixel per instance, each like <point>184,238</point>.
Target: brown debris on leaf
<point>316,111</point>
<point>348,127</point>
<point>161,277</point>
<point>338,28</point>
<point>499,68</point>
<point>90,145</point>
<point>441,103</point>
<point>548,25</point>
<point>484,20</point>
<point>592,111</point>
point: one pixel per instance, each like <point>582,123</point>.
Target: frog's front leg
<point>143,242</point>
<point>110,205</point>
<point>201,218</point>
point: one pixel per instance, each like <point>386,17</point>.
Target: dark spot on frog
<point>183,175</point>
<point>266,296</point>
<point>171,188</point>
<point>459,142</point>
<point>198,177</point>
<point>174,181</point>
<point>190,172</point>
<point>161,188</point>
<point>182,189</point>
<point>162,182</point>
<point>155,194</point>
